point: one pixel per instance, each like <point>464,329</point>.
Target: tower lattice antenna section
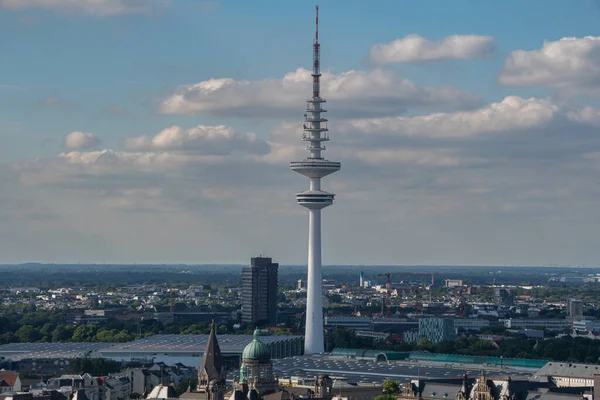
<point>315,167</point>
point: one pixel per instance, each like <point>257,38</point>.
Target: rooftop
<point>21,351</point>
<point>566,369</point>
<point>229,344</point>
<point>369,372</point>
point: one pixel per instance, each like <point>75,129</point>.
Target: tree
<point>62,333</point>
<point>334,298</point>
<point>390,387</point>
<point>222,329</point>
<point>27,333</point>
<point>84,333</point>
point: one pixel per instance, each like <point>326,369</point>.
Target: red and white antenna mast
<point>316,74</point>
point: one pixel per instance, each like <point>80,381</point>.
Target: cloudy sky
<point>162,130</point>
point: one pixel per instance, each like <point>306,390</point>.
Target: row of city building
<point>129,383</point>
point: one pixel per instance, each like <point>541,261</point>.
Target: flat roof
<point>21,351</point>
<point>361,371</point>
<point>560,369</point>
<point>231,344</point>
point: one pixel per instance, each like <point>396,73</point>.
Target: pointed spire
<point>213,364</point>
<point>509,391</point>
<point>463,389</point>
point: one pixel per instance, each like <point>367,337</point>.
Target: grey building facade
<point>434,330</point>
<point>574,309</point>
<point>259,291</point>
<point>504,297</point>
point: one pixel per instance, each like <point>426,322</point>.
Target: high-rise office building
<point>504,297</point>
<point>574,309</point>
<point>259,291</point>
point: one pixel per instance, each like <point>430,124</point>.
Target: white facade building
<point>557,325</point>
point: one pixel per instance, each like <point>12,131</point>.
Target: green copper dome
<point>256,350</point>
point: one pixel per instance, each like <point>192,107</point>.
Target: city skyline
<point>161,131</point>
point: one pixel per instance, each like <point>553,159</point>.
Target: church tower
<point>212,372</point>
<point>482,389</point>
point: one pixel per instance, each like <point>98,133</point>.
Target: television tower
<point>314,199</point>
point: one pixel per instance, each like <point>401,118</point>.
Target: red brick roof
<point>9,376</point>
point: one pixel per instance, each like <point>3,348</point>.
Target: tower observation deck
<point>315,167</point>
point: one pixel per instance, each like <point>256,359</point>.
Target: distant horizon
<point>301,265</point>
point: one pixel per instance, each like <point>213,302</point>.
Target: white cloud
<point>410,156</point>
<point>510,114</point>
<point>571,64</point>
<point>513,165</point>
<point>417,48</point>
<point>352,93</point>
<point>586,115</point>
<point>81,140</point>
<point>209,140</point>
<point>95,7</point>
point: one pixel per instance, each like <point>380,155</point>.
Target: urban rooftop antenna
<point>315,167</point>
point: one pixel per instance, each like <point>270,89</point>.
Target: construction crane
<point>388,286</point>
<point>462,303</point>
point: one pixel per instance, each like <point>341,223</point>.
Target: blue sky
<point>161,130</point>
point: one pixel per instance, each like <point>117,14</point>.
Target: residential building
<point>574,309</point>
<point>259,291</point>
<point>84,385</point>
<point>144,379</point>
<point>9,381</point>
<point>330,387</point>
<point>116,388</point>
<point>450,283</point>
<point>504,297</point>
<point>484,388</point>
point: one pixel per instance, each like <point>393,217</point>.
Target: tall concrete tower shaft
<point>315,167</point>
